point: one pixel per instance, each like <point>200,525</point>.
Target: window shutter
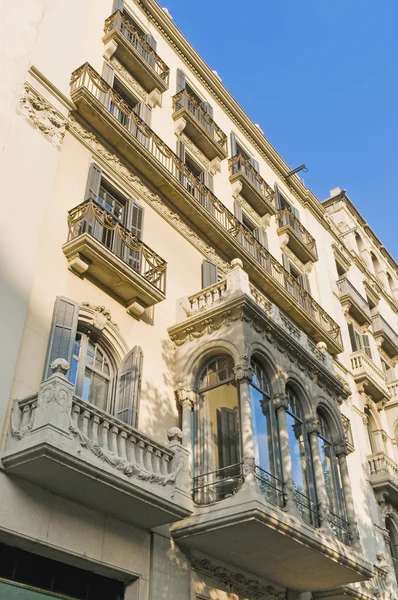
<point>108,73</point>
<point>93,182</point>
<point>208,108</point>
<point>180,80</point>
<point>62,333</point>
<point>366,345</point>
<point>294,212</point>
<point>129,387</point>
<point>285,262</point>
<point>278,198</point>
<point>151,41</point>
<point>255,165</point>
<point>234,150</point>
<point>137,219</point>
<point>261,236</point>
<point>353,340</point>
<point>209,273</point>
<point>117,5</point>
<point>181,150</point>
<point>144,112</point>
<point>210,182</point>
<point>306,283</point>
<point>238,211</point>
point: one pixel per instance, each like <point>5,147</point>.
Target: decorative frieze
<point>38,111</point>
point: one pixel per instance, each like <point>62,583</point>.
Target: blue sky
<point>320,78</point>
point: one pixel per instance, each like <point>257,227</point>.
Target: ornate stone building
<point>199,398</point>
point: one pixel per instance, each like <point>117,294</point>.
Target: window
<point>217,432</point>
<point>371,430</point>
<point>393,543</point>
<point>264,426</point>
<point>359,341</point>
<point>248,165</point>
<point>387,370</point>
<point>301,460</point>
<point>200,173</point>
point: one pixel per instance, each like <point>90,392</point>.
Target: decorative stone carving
<point>185,394</point>
<point>243,370</point>
<point>36,109</point>
<point>340,447</point>
<point>90,140</point>
<point>102,315</point>
<point>292,329</point>
<point>280,401</point>
<point>174,434</point>
<point>237,583</point>
<point>313,425</point>
<point>60,365</point>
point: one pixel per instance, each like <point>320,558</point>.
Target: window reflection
<point>262,420</point>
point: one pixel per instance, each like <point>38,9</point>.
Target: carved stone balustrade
<point>384,475</point>
<point>74,449</point>
<point>369,378</point>
<point>110,116</point>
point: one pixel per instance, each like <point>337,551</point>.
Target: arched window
<point>217,432</point>
<point>331,474</point>
<point>263,418</point>
<point>371,429</point>
<point>300,455</point>
<point>393,543</point>
<point>91,371</point>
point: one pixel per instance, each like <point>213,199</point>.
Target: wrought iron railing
<point>380,325</point>
<point>271,487</point>
<point>347,289</point>
<point>340,528</point>
<point>86,77</point>
<point>138,41</point>
<point>217,485</point>
<point>285,217</point>
<point>92,218</point>
<point>308,508</point>
<point>184,100</point>
<point>239,164</point>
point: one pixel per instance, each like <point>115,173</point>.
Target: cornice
<point>215,87</point>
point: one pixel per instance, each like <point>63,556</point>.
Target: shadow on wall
<point>161,411</point>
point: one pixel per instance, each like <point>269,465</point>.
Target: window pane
<point>262,431</point>
<point>96,388</point>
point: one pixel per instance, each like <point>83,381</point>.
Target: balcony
<point>369,378</point>
<point>191,118</point>
<point>102,249</point>
<point>72,448</point>
<point>134,141</point>
<point>346,592</point>
<point>353,302</point>
<point>252,509</point>
<point>384,475</point>
<point>393,389</point>
<point>135,53</point>
<point>299,240</point>
<point>254,189</point>
<point>385,335</point>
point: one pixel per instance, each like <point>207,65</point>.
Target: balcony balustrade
<point>100,247</point>
<point>368,377</point>
<point>72,448</point>
<point>393,389</point>
<point>299,240</point>
<point>133,50</point>
<point>384,475</point>
<point>197,124</point>
<point>254,189</point>
<point>143,149</point>
<point>352,300</point>
<point>385,334</point>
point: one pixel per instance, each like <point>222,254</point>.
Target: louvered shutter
<point>353,339</point>
<point>366,345</point>
<point>93,182</point>
<point>285,262</point>
<point>227,434</point>
<point>278,198</point>
<point>108,74</point>
<point>129,387</point>
<point>117,5</point>
<point>62,332</point>
<point>209,181</point>
<point>238,211</point>
<point>234,149</point>
<point>152,43</point>
<point>145,113</point>
<point>136,227</point>
<point>261,236</point>
<point>180,80</point>
<point>209,273</point>
<point>255,165</point>
<point>306,283</point>
<point>208,108</point>
<point>295,212</point>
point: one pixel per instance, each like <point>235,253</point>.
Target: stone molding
<point>237,583</point>
<point>194,150</point>
<point>33,107</point>
<point>129,79</point>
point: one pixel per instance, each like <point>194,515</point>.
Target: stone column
<point>281,403</point>
<point>313,429</point>
<point>186,397</point>
<point>243,374</point>
<point>341,453</point>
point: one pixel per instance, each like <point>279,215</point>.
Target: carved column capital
<point>313,426</point>
<point>280,401</point>
<point>243,371</point>
<point>340,448</point>
<point>185,395</point>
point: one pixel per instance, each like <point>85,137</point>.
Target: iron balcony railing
<point>239,164</point>
<point>86,77</point>
<point>340,528</point>
<point>138,41</point>
<point>217,485</point>
<point>92,218</point>
<point>184,100</point>
<point>285,217</point>
<point>347,289</point>
<point>271,487</point>
<point>380,325</point>
<point>308,508</point>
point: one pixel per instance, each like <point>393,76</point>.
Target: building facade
<point>199,394</point>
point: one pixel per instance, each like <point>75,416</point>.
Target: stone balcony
<point>78,451</point>
<point>249,184</point>
<point>353,302</point>
<point>130,47</point>
<point>369,378</point>
<point>384,475</point>
<point>294,235</point>
<point>393,389</point>
<point>102,249</point>
<point>191,118</point>
<point>385,336</point>
<point>142,149</point>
